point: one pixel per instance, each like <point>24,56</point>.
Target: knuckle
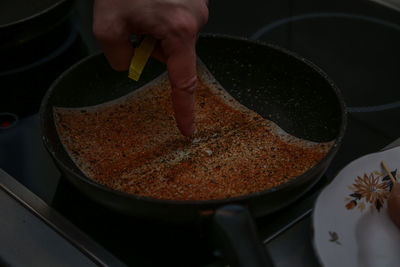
<point>187,25</point>
<point>183,25</point>
<point>187,85</point>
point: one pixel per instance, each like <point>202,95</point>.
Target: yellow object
<point>139,59</point>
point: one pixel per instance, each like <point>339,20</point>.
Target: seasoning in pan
<point>132,145</point>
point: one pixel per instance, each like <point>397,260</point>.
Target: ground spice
<point>133,145</point>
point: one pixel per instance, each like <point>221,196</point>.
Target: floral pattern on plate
<point>350,219</point>
<point>370,189</point>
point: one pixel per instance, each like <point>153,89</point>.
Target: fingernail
<point>188,131</point>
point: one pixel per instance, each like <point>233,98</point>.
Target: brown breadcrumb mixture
<point>133,145</point>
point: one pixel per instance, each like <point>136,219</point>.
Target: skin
<point>174,23</point>
<point>394,204</point>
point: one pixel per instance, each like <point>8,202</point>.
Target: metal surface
<point>33,234</point>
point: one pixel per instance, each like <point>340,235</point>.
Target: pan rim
<point>211,202</point>
<point>31,17</point>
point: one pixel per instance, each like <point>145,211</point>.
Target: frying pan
<point>275,83</point>
<point>24,20</point>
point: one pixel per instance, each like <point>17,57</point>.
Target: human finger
<point>182,74</point>
<point>113,36</point>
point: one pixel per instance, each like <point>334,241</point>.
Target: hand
<point>175,23</point>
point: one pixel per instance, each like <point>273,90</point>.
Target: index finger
<point>181,65</point>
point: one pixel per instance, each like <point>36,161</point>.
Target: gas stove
<point>355,43</point>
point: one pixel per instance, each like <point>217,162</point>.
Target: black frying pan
<point>285,88</point>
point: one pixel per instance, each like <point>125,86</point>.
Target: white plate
<point>351,224</point>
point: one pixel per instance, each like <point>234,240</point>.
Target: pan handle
<point>236,233</point>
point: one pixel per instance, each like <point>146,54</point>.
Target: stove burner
<point>29,71</point>
<point>349,47</point>
<point>7,120</point>
<point>388,106</point>
<point>71,38</point>
<point>260,32</point>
